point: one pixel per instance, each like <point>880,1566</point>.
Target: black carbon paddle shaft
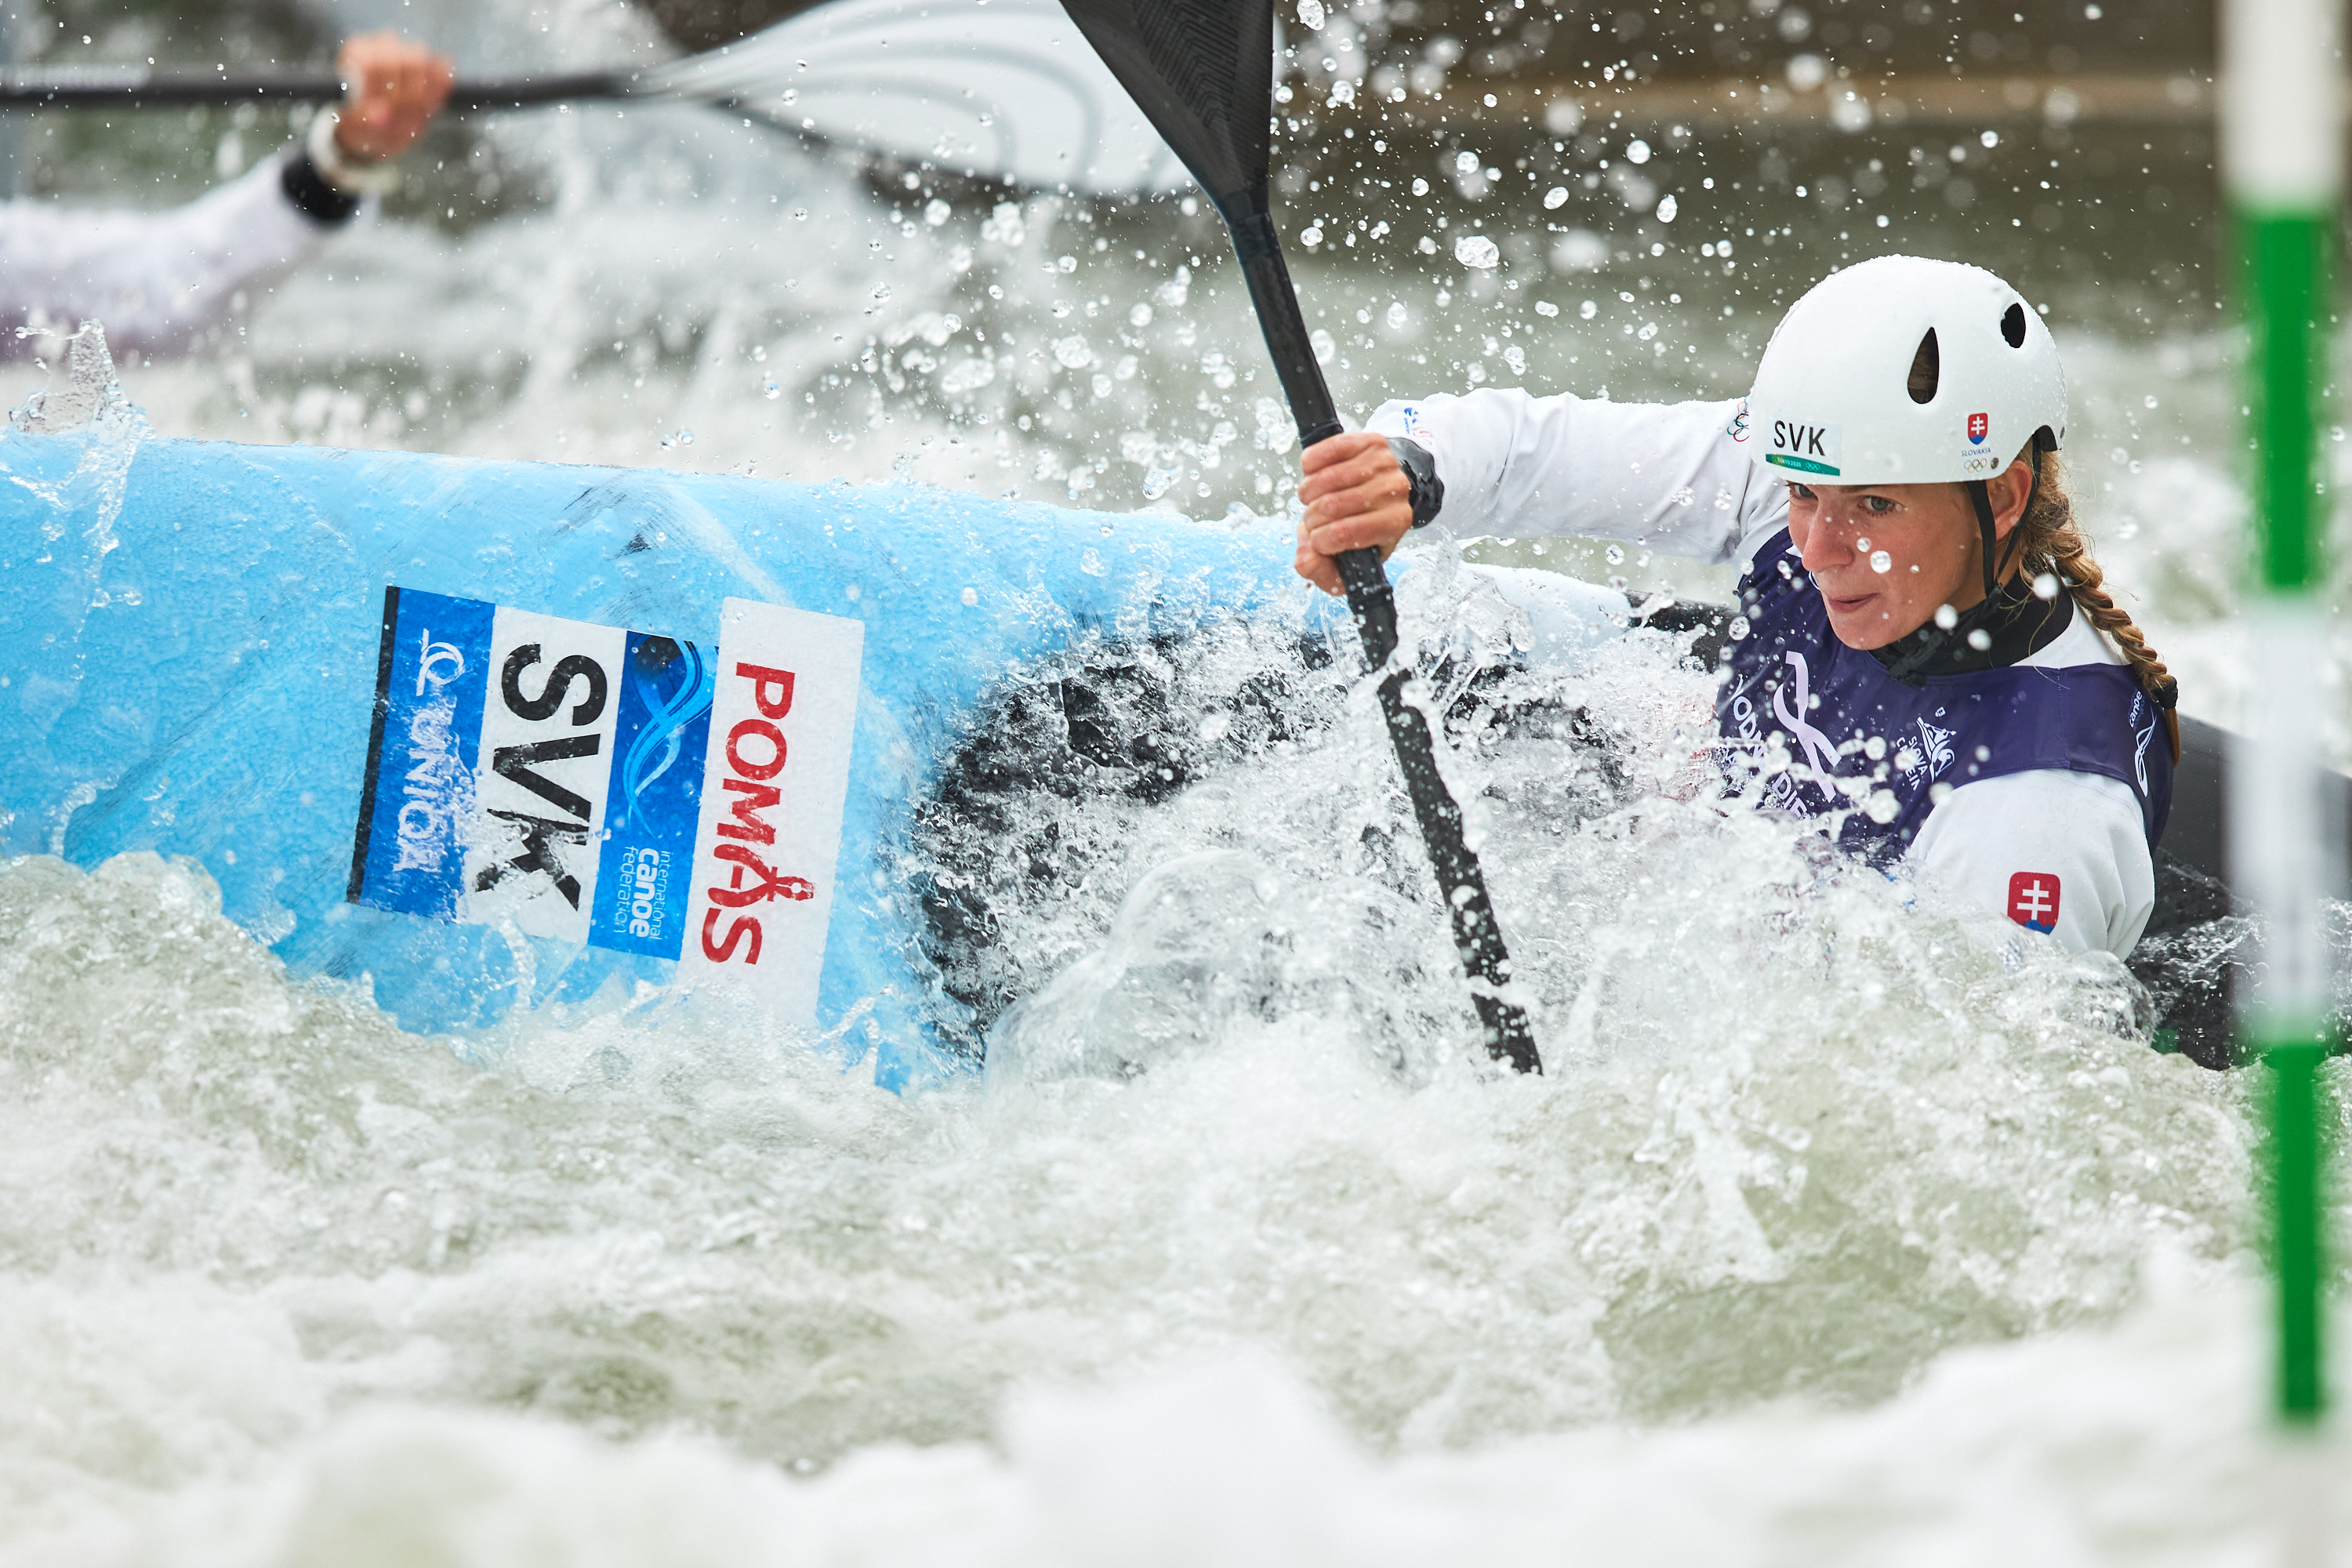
<point>1476,936</point>
<point>105,86</point>
<point>1372,602</point>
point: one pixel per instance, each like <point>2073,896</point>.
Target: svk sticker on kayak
<point>616,789</point>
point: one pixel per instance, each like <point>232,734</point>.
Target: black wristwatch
<point>1420,472</point>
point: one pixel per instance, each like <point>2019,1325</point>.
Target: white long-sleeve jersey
<point>156,279</point>
<point>1677,479</point>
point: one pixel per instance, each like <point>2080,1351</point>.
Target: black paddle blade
<point>1202,73</point>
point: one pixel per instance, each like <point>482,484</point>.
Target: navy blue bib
<point>1857,739</point>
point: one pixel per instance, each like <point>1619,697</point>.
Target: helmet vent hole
<point>2012,326</point>
<point>1926,369</point>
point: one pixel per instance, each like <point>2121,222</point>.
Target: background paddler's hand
<point>395,88</point>
<point>1357,497</point>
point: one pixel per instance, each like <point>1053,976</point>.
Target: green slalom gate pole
<point>2282,132</point>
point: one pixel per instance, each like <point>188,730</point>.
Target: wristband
<point>307,189</point>
<point>1428,491</point>
<point>353,179</point>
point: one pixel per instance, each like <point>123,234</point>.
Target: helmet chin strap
<point>1911,669</point>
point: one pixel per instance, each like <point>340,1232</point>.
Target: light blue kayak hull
<point>189,641</point>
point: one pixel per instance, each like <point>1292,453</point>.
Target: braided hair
<point>2048,540</point>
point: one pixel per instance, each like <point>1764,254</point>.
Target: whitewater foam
<point>262,1245</point>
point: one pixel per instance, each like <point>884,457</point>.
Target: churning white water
<point>1235,1254</point>
<point>285,1285</point>
<point>1842,1229</point>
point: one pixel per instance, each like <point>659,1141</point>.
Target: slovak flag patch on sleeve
<point>2033,899</point>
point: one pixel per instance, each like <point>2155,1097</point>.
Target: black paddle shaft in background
<point>1202,73</point>
<point>125,87</point>
<point>136,87</point>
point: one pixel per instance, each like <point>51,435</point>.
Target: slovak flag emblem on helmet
<point>1979,427</point>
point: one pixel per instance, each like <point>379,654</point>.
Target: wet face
<point>1886,557</point>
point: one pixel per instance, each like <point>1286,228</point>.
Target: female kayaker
<point>1923,652</point>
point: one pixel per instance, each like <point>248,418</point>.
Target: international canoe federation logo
<point>1979,426</point>
<point>2034,900</point>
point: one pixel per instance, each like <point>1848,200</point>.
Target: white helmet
<point>1834,398</point>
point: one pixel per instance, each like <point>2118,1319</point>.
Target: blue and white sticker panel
<point>652,803</point>
<point>616,789</point>
<point>419,796</point>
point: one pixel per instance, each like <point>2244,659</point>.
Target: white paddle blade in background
<point>997,89</point>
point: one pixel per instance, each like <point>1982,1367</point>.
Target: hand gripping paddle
<point>1202,73</point>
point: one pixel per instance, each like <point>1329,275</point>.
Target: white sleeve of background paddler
<point>2016,845</point>
<point>156,280</point>
<point>1669,477</point>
